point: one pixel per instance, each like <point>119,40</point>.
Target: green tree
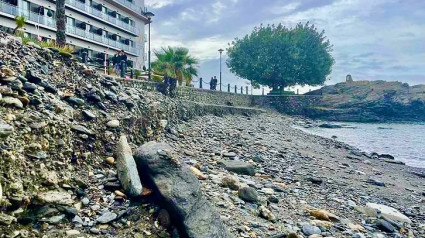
<point>280,57</point>
<point>19,22</point>
<point>176,63</point>
<point>60,23</point>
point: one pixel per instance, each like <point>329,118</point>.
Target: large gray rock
<point>179,192</point>
<point>5,129</point>
<point>127,169</point>
<point>239,167</point>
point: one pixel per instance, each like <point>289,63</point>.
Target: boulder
<point>389,212</point>
<point>178,191</point>
<point>6,219</point>
<point>127,169</point>
<point>239,167</point>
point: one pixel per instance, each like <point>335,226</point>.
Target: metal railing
<point>102,15</point>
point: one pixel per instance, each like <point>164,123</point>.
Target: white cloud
<point>158,3</point>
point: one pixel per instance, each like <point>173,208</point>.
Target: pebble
<point>113,124</point>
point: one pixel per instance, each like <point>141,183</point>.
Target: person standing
<point>123,61</point>
<point>115,62</point>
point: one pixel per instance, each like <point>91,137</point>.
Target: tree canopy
<point>279,57</point>
<point>176,63</point>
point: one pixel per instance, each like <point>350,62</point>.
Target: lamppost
<point>221,51</point>
<point>149,15</point>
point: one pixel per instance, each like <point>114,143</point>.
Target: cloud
<point>372,39</point>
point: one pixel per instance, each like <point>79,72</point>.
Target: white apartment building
<point>97,26</point>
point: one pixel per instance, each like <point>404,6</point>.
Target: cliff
<point>370,101</point>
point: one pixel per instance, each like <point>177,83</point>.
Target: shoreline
<point>295,172</point>
<point>313,127</point>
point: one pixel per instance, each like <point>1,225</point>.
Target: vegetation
<point>137,73</point>
<point>176,63</point>
<point>279,57</point>
<point>20,23</point>
<point>60,23</point>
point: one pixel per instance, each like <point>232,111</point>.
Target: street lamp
<point>221,51</point>
<point>149,15</point>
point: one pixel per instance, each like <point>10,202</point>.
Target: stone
<point>56,219</point>
<point>127,169</point>
<point>113,124</point>
<point>389,212</point>
<point>197,173</point>
<point>239,167</point>
<point>309,230</point>
<point>230,182</point>
<point>54,197</point>
<point>106,217</point>
<point>32,77</point>
<point>82,129</point>
<point>9,101</point>
<point>384,225</point>
<point>75,101</point>
<point>5,129</point>
<point>229,154</point>
<point>164,218</point>
<point>6,219</point>
<point>179,191</point>
<point>89,115</point>
<point>29,87</point>
<point>110,160</point>
<point>376,182</point>
<point>7,71</point>
<point>266,213</point>
<point>48,88</point>
<point>248,194</point>
<point>72,232</point>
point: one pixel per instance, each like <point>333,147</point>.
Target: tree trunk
<point>60,23</point>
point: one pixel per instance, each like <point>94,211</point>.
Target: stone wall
<point>294,104</point>
<point>214,97</point>
<point>290,104</point>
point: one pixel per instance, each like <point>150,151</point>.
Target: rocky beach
<point>85,155</point>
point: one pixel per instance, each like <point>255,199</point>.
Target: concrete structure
<point>97,26</point>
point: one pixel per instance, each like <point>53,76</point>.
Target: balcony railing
<point>51,22</point>
<point>95,12</point>
<point>99,38</point>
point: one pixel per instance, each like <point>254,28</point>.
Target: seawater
<point>404,141</point>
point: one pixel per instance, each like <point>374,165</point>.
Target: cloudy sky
<point>373,39</point>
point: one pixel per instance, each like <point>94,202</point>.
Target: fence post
<point>298,91</point>
<point>236,90</point>
<point>228,88</point>
<point>131,73</point>
<point>263,91</point>
<point>241,89</point>
<point>200,83</point>
<point>246,89</point>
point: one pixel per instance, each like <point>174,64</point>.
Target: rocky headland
<point>370,101</point>
<point>84,155</point>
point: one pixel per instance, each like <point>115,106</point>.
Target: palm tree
<point>176,63</point>
<point>20,23</point>
<point>60,23</point>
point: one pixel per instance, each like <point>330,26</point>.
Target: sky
<point>372,39</point>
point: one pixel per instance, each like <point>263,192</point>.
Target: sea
<point>404,141</point>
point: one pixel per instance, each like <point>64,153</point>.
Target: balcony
<point>29,15</point>
<point>99,38</point>
<point>95,12</point>
<point>50,22</point>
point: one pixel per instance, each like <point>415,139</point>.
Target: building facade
<point>99,27</point>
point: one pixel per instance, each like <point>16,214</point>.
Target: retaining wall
<point>290,104</point>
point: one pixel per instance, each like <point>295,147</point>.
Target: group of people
<point>213,83</point>
<point>119,62</point>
